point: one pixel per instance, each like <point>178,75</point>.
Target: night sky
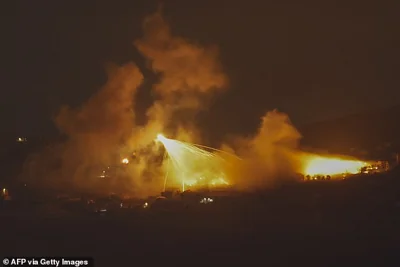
<point>314,60</point>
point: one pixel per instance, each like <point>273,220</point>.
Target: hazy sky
<point>312,59</point>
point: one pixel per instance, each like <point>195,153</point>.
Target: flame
<point>160,138</point>
<point>320,165</point>
<point>191,165</point>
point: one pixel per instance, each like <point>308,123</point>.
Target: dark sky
<point>312,59</point>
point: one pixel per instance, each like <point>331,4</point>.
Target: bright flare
<point>160,138</point>
<point>125,161</point>
<point>192,166</point>
<point>318,165</point>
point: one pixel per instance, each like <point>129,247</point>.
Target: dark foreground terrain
<point>353,222</point>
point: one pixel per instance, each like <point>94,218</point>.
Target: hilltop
<point>374,133</point>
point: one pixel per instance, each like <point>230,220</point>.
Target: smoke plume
<point>102,131</point>
<point>267,157</point>
<point>189,75</point>
<point>98,129</point>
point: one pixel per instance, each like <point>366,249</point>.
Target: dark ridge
<point>371,134</point>
<point>14,153</point>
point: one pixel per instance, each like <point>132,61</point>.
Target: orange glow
<point>160,138</point>
<point>191,166</point>
<point>320,165</point>
<point>4,192</point>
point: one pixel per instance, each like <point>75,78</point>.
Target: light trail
<point>219,150</point>
<point>167,171</point>
<point>192,165</point>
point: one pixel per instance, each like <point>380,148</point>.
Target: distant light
<point>21,140</point>
<point>125,161</point>
<point>206,200</point>
<point>145,205</point>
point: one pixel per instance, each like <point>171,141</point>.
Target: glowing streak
<point>167,171</point>
<point>190,163</point>
<point>183,183</point>
<point>178,166</point>
<point>219,150</point>
<point>161,138</point>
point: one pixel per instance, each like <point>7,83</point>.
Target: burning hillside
<point>319,165</point>
<point>102,133</point>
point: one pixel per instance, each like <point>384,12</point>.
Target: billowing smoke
<point>102,131</point>
<point>95,132</point>
<point>189,75</point>
<point>268,157</point>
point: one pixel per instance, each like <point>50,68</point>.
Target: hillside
<point>13,154</point>
<point>373,134</point>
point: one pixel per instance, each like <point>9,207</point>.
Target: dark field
<point>353,222</point>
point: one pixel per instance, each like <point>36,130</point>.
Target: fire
<point>319,165</point>
<point>191,165</point>
<point>160,138</point>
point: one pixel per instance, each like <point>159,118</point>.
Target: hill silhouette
<point>372,134</point>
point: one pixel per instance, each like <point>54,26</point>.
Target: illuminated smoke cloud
<point>268,156</point>
<point>96,130</point>
<point>103,129</point>
<point>109,113</point>
<point>189,74</point>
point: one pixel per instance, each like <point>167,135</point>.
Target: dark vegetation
<point>327,223</point>
<point>353,222</point>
